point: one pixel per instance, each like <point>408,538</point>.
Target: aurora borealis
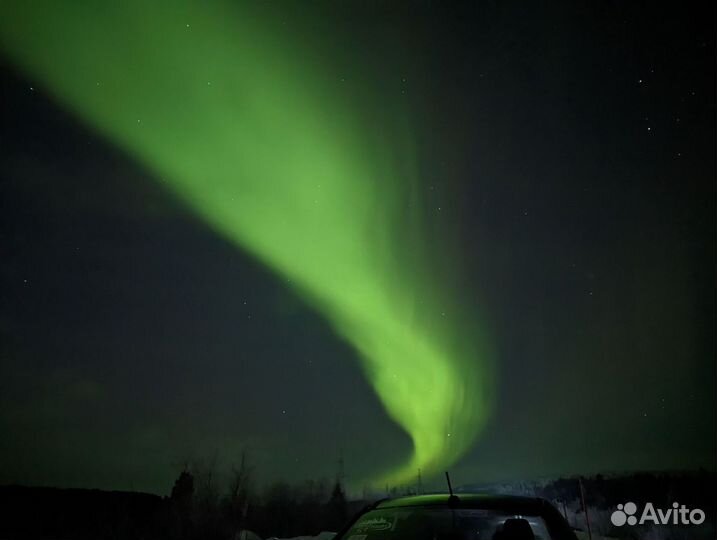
<point>234,125</point>
<point>410,236</point>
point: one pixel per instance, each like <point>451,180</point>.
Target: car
<point>459,517</point>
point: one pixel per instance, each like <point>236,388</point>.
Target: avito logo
<point>677,515</point>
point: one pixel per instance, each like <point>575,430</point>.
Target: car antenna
<point>450,488</point>
<point>452,498</point>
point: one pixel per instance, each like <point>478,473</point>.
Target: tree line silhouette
<point>200,506</point>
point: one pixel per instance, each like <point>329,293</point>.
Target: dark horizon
<point>310,509</point>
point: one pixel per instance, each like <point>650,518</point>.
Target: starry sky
<point>562,163</point>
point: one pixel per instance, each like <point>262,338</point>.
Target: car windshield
<point>421,523</point>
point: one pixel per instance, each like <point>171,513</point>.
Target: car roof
<point>510,503</point>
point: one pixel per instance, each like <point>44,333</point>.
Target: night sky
<point>554,168</point>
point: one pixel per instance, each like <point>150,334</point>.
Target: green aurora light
<point>254,137</point>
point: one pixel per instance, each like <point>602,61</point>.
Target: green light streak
<point>263,146</point>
